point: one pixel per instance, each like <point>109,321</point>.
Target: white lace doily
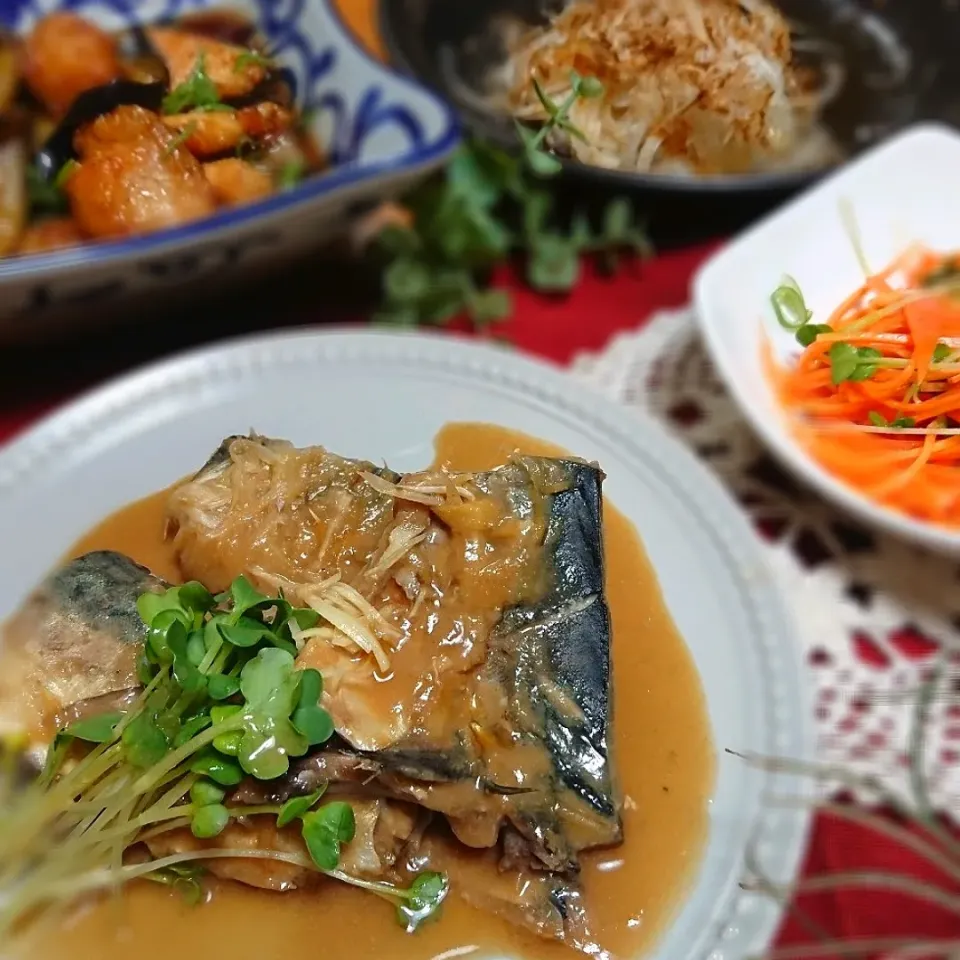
<point>875,614</point>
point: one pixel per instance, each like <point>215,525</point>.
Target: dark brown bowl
<point>899,59</point>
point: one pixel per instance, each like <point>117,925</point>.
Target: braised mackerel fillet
<point>463,639</point>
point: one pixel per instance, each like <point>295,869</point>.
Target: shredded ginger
<point>691,87</point>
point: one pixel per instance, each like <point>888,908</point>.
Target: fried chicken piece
<point>65,55</point>
<point>232,73</point>
<point>209,134</point>
<point>134,177</point>
<point>235,181</point>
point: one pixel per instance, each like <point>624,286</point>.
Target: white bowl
<point>906,190</point>
<point>382,132</point>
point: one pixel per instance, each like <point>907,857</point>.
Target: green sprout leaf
<point>220,687</point>
<point>247,632</point>
<point>151,605</point>
<point>324,831</point>
<point>217,767</point>
<point>941,352</point>
<point>297,807</point>
<point>209,821</point>
<point>98,729</point>
<point>309,718</point>
<point>246,597</point>
<point>189,728</point>
<point>270,686</point>
<point>548,105</point>
<point>789,307</point>
<point>808,332</point>
<point>543,164</point>
<point>852,363</point>
<point>145,740</point>
<point>866,368</point>
<point>423,900</point>
<point>204,793</point>
<point>898,423</point>
<point>184,879</point>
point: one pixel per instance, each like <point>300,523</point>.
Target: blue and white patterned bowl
<point>382,131</point>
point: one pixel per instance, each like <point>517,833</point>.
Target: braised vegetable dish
<point>109,135</point>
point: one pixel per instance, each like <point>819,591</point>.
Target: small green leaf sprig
<point>487,206</point>
<point>197,92</point>
<point>558,118</point>
<point>847,362</point>
<point>222,700</point>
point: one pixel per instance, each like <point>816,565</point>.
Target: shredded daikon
<point>690,86</point>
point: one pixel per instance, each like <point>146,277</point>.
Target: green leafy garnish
<point>184,878</point>
<point>425,895</point>
<point>98,729</point>
<point>65,173</point>
<point>810,331</point>
<point>204,793</point>
<point>45,196</point>
<point>217,767</point>
<point>222,699</point>
<point>209,821</point>
<point>309,718</point>
<point>197,92</point>
<point>297,807</point>
<point>558,118</point>
<point>942,352</point>
<point>848,362</point>
<point>290,174</point>
<point>793,314</point>
<point>898,423</point>
<point>324,830</point>
<point>181,137</point>
<point>251,58</point>
<point>487,206</point>
<point>789,307</point>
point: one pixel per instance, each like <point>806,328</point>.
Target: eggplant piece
<point>59,148</point>
<point>140,61</point>
<point>279,86</point>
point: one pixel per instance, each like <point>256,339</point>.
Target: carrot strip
<point>886,362</point>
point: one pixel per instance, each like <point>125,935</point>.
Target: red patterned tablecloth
<point>560,330</point>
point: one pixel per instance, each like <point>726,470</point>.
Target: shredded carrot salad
<point>875,395</point>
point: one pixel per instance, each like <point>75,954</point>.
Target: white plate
<point>378,396</point>
<point>906,190</point>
